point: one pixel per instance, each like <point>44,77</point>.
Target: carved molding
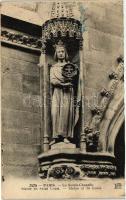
<point>77,171</point>
<point>99,170</point>
<point>21,40</point>
<point>76,164</point>
<point>98,111</point>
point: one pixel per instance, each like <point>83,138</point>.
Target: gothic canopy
<point>61,25</point>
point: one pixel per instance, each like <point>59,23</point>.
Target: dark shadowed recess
<point>120,151</point>
<point>19,25</point>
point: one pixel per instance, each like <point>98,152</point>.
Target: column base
<point>75,164</point>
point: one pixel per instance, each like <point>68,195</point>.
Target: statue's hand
<point>67,84</point>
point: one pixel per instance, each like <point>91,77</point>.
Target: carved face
<point>60,53</point>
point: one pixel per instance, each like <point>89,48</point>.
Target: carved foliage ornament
<point>91,139</point>
<point>68,171</point>
<point>92,131</point>
<point>21,39</point>
<point>64,171</point>
<point>61,27</point>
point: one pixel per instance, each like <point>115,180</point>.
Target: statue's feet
<point>60,139</point>
<point>66,141</point>
<point>53,142</point>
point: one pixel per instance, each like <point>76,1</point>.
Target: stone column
<point>44,92</point>
<point>82,78</point>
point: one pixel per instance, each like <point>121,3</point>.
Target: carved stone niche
<point>64,140</point>
<point>60,79</point>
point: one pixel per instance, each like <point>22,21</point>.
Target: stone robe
<point>62,104</point>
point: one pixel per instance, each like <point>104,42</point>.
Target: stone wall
<point>20,112</point>
<point>103,43</point>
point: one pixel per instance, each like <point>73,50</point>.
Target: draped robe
<point>62,104</point>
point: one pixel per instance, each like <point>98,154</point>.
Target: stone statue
<point>62,105</point>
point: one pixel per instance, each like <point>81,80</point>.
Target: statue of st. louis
<point>62,106</point>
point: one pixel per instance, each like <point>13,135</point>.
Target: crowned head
<point>60,51</point>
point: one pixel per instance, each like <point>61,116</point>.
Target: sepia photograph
<point>62,99</point>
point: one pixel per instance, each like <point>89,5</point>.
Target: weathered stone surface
<point>19,158</point>
<point>37,135</point>
<point>103,41</point>
<point>12,100</point>
<point>31,103</point>
<point>30,120</point>
<point>21,102</point>
<point>20,171</point>
<point>94,11</point>
<point>93,67</point>
<point>98,57</point>
<point>31,85</point>
<point>62,145</point>
<point>96,82</point>
<point>11,118</point>
<point>17,136</point>
<point>13,65</point>
<point>20,127</point>
<point>26,5</point>
<point>30,149</point>
<point>11,82</point>
<point>16,118</point>
<point>113,16</point>
<point>26,136</point>
<point>18,154</point>
<point>105,26</point>
<point>91,96</point>
<point>20,55</point>
<point>97,12</point>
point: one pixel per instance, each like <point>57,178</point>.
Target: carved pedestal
<point>71,163</point>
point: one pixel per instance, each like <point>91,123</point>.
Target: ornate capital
<point>43,48</point>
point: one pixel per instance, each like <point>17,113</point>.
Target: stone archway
<point>115,140</point>
<point>115,126</point>
<point>113,119</point>
<point>119,151</point>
